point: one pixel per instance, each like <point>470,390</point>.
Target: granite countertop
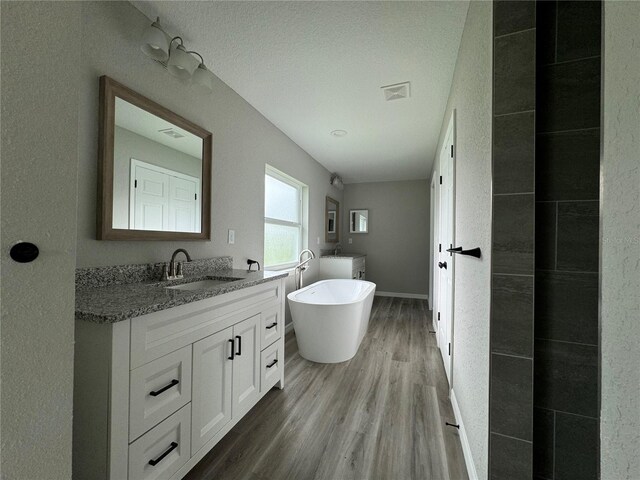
<point>114,303</point>
<point>343,255</point>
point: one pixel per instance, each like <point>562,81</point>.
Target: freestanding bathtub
<point>331,318</point>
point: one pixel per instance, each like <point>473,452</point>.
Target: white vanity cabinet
<point>153,394</point>
<point>345,266</point>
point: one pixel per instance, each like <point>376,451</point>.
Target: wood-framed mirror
<point>154,170</point>
<point>331,220</point>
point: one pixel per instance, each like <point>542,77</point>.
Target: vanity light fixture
<point>172,53</point>
<point>336,181</point>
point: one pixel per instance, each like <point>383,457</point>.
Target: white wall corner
<point>466,448</point>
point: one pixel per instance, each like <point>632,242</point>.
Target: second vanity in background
<point>164,370</point>
<point>343,265</point>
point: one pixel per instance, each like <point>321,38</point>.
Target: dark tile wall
<point>513,241</point>
<point>543,403</point>
<point>566,249</point>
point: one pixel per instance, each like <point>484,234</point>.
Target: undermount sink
<point>204,284</point>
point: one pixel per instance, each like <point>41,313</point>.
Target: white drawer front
<point>272,325</point>
<point>162,451</point>
<point>271,365</point>
<point>156,334</point>
<point>158,389</point>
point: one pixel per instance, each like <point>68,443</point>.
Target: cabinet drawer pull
<point>155,393</point>
<point>153,462</point>
<point>272,363</point>
<point>239,352</point>
<point>233,349</point>
<point>274,324</point>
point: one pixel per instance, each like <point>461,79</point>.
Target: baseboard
<point>288,327</point>
<point>466,448</point>
<point>419,296</point>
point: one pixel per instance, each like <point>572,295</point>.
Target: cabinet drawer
<point>156,334</point>
<point>271,366</point>
<point>158,389</point>
<point>271,326</point>
<point>162,451</point>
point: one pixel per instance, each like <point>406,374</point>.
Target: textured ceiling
<point>143,123</point>
<point>313,67</point>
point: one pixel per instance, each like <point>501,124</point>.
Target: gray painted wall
<point>128,145</point>
<point>471,98</point>
<point>243,141</point>
<point>39,164</point>
<point>620,244</point>
<point>50,164</point>
<point>397,245</point>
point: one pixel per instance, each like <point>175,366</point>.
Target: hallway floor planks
<point>380,415</point>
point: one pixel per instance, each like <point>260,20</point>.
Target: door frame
<point>433,297</point>
<point>452,133</point>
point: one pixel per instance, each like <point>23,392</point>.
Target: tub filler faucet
<point>302,266</point>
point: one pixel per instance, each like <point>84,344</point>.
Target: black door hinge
<point>439,247</point>
<point>135,184</point>
<point>449,349</point>
<point>438,316</point>
<point>440,179</point>
<point>196,195</point>
<point>451,151</point>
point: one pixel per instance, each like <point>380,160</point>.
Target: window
<point>284,219</point>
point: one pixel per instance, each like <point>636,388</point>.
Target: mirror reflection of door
<point>157,173</point>
<point>332,220</point>
<point>163,199</point>
<point>331,227</point>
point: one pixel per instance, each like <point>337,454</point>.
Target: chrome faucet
<point>302,266</point>
<point>338,249</point>
<point>175,268</point>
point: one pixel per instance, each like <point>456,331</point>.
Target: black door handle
<point>272,363</point>
<point>442,265</point>
<point>172,447</point>
<point>473,252</point>
<point>274,324</point>
<point>239,352</point>
<point>233,348</point>
<point>155,393</point>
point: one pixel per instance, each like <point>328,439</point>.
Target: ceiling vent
<point>397,91</point>
<point>171,132</point>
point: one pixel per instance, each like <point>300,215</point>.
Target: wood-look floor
<point>380,415</point>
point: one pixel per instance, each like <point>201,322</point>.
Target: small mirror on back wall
<point>332,220</point>
<point>358,221</point>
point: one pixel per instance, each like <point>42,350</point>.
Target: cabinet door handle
<point>274,324</point>
<point>233,349</point>
<point>155,393</point>
<point>272,363</point>
<point>154,462</point>
<point>239,352</point>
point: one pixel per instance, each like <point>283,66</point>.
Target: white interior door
<point>183,205</point>
<point>150,194</point>
<point>246,365</point>
<point>444,260</point>
<point>163,199</point>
